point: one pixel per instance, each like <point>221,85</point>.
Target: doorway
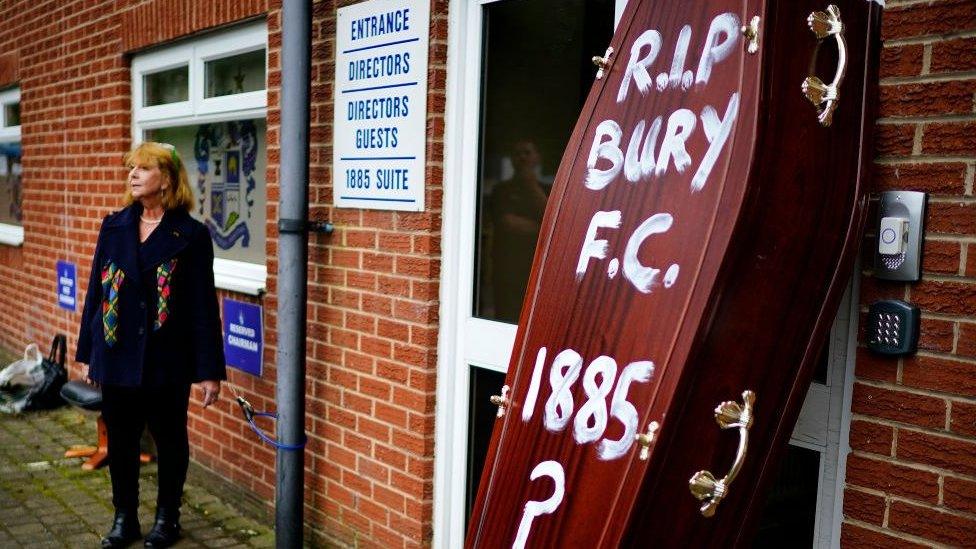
<point>518,75</point>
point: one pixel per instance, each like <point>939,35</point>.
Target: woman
<point>150,328</point>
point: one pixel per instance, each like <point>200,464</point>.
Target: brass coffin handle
<point>501,401</point>
<point>703,484</point>
<point>644,440</point>
<point>603,63</point>
<point>825,96</point>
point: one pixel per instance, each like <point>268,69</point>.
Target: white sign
<point>380,130</point>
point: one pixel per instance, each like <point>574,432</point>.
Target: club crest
<point>226,155</point>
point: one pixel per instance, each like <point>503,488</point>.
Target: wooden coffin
<point>699,235</point>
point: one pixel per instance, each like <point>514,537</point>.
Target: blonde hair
<point>164,156</point>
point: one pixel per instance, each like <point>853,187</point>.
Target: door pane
<point>823,362</point>
<point>791,510</point>
<point>481,420</point>
<point>537,73</point>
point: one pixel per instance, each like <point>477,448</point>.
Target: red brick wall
<point>372,325</point>
<point>911,475</point>
<point>8,68</point>
<point>73,124</point>
<point>153,22</point>
<point>373,285</point>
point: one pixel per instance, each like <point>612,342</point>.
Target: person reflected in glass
<point>516,207</point>
<point>150,329</point>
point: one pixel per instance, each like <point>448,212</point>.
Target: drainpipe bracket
<point>301,226</point>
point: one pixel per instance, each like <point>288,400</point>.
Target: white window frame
<point>465,340</point>
<point>237,276</point>
<point>11,235</point>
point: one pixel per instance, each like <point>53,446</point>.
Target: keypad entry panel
<point>892,327</point>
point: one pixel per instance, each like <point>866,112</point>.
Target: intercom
<point>899,251</point>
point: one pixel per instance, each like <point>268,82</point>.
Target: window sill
<point>238,276</point>
<point>11,235</point>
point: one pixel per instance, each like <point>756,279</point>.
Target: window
<point>208,98</point>
<point>11,216</point>
<point>166,86</point>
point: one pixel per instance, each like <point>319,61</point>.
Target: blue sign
<point>67,285</point>
<point>243,336</point>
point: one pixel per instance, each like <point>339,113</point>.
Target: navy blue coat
<point>188,347</point>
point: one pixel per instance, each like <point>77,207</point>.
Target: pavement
<point>47,500</point>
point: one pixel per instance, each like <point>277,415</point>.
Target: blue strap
<point>250,414</point>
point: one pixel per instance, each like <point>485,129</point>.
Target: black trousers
<point>127,410</point>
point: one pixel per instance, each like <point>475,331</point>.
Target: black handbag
<point>47,394</point>
<point>80,394</point>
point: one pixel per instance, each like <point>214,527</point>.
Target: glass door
<point>521,74</point>
<point>536,73</point>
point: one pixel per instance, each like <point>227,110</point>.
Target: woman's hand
<point>211,391</point>
<point>84,375</point>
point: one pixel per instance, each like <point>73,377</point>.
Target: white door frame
<point>452,378</point>
<point>464,340</point>
<point>843,352</point>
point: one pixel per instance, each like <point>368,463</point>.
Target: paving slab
<point>47,500</point>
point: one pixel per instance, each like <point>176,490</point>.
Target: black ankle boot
<point>125,529</point>
<point>166,530</point>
